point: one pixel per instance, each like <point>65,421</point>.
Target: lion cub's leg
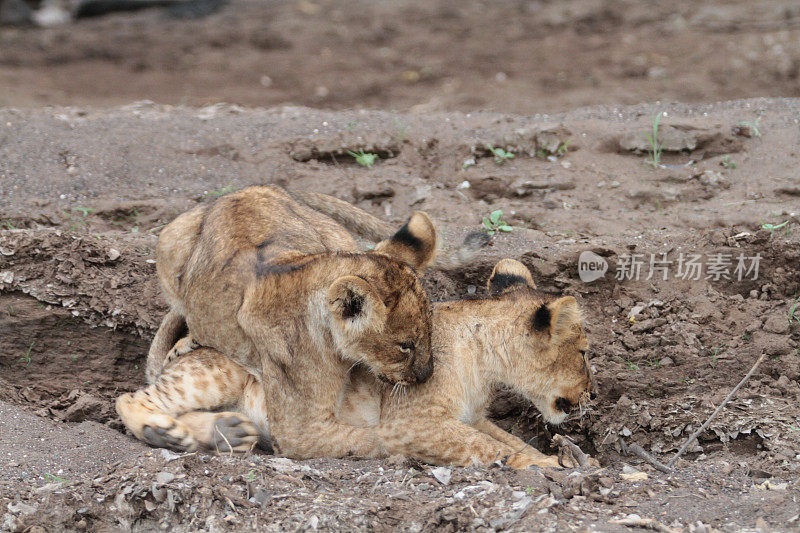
<point>164,414</point>
<point>517,444</point>
<point>181,347</point>
<point>441,439</point>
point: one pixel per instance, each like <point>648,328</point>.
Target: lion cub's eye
<point>407,347</point>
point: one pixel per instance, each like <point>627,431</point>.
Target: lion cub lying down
<point>519,337</point>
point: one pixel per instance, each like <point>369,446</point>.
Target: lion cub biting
<point>271,281</point>
<point>520,338</point>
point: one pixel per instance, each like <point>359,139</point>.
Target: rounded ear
<point>354,302</point>
<point>416,243</point>
<point>558,317</point>
<point>507,275</point>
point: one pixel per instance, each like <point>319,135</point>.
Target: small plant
<point>50,478</point>
<point>563,147</point>
<point>365,159</point>
<point>494,223</point>
<point>773,227</point>
<point>794,312</point>
<point>7,225</point>
<point>250,477</point>
<point>752,127</point>
<point>688,381</point>
<point>655,145</point>
<point>222,191</point>
<point>402,131</point>
<point>500,155</point>
<point>633,367</point>
<point>84,210</point>
<point>27,357</point>
<point>746,337</point>
<point>727,163</point>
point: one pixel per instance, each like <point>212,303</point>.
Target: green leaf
<point>495,216</point>
<point>490,232</point>
<point>487,224</point>
<point>505,228</point>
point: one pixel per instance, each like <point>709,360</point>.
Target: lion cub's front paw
<point>181,347</point>
<point>163,431</point>
<point>522,460</point>
<point>233,433</point>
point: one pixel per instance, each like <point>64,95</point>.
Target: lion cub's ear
<point>558,318</point>
<point>507,275</point>
<point>415,243</point>
<point>355,303</point>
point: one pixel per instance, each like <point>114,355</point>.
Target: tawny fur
<point>479,345</point>
<point>281,289</point>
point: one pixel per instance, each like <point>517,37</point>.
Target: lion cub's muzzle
<point>421,373</point>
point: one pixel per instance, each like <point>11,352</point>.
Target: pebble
<point>442,474</point>
<point>162,478</point>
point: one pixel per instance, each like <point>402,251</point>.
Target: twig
<point>640,452</point>
<point>702,428</point>
<point>563,442</point>
<point>645,523</point>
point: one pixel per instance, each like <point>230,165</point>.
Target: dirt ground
<point>85,189</point>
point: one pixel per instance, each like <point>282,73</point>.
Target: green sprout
<point>500,155</point>
<point>772,227</point>
<point>727,163</point>
<point>494,223</point>
<point>222,191</point>
<point>656,147</point>
<point>27,357</point>
<point>752,126</point>
<point>365,159</point>
<point>251,476</point>
<point>54,479</point>
<point>84,210</point>
<point>794,312</point>
<point>563,147</point>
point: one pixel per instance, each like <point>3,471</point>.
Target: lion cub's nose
<point>562,404</point>
<point>422,373</point>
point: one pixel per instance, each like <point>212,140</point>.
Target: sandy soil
<point>77,316</point>
<point>85,189</point>
<point>509,56</point>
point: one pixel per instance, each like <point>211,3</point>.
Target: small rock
<point>777,323</point>
<point>113,254</point>
<point>261,497</point>
<point>162,478</point>
<point>283,465</point>
<point>21,508</point>
<point>442,474</point>
<point>84,408</point>
<point>627,469</point>
<point>666,361</point>
<point>638,476</point>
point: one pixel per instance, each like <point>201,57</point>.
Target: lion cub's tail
<point>361,223</point>
<point>171,329</point>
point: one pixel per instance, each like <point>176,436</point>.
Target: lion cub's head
<point>547,349</point>
<point>382,317</point>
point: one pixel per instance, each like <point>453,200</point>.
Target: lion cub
<point>270,280</point>
<point>518,338</point>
